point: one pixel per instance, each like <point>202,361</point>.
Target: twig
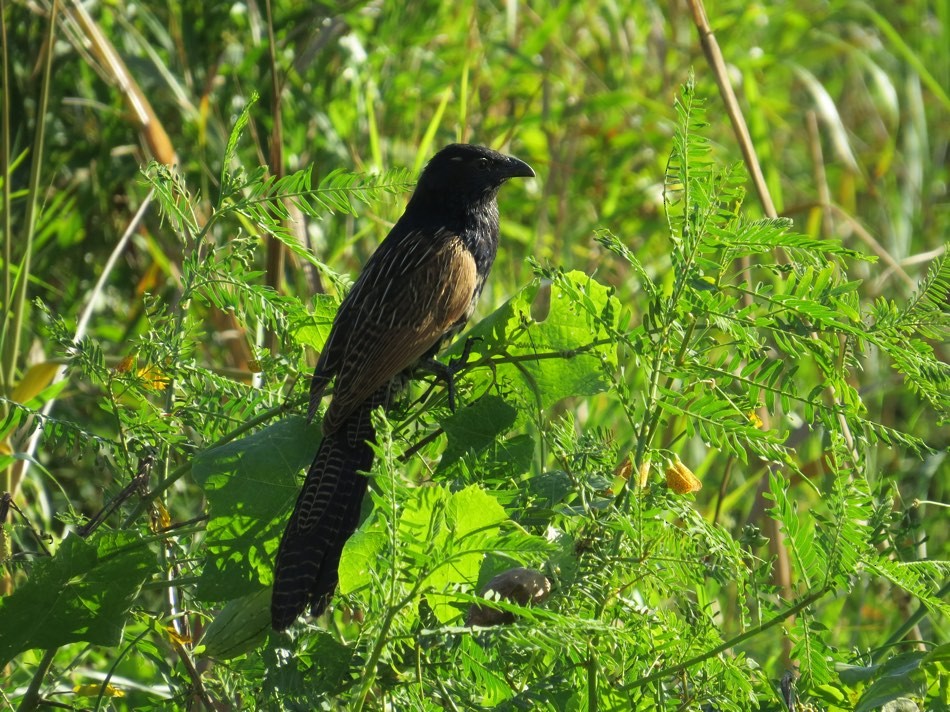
<point>275,248</point>
<point>87,315</point>
<point>751,633</point>
<point>139,483</point>
<point>821,178</point>
<point>197,684</point>
<point>718,64</point>
<point>31,698</point>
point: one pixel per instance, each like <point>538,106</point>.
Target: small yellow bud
<point>124,366</point>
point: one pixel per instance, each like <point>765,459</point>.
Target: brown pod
<point>519,585</point>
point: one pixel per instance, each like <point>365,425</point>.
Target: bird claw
<point>447,371</point>
<point>460,362</point>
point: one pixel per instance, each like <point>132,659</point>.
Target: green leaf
<point>472,510</point>
<point>550,488</point>
<point>551,340</point>
<point>444,538</point>
<point>473,518</point>
<point>477,429</point>
<point>901,676</point>
<point>251,485</point>
<point>856,674</point>
<point>227,179</point>
<point>360,559</point>
<point>750,237</point>
<point>800,532</point>
<point>81,594</point>
<point>239,627</point>
<point>912,577</point>
<point>314,330</point>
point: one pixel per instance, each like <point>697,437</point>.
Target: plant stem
<point>31,699</point>
<point>718,64</point>
<point>751,633</point>
<point>184,469</point>
<point>878,655</point>
<point>32,203</point>
<point>591,680</point>
<point>7,224</point>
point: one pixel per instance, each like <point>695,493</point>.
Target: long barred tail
<point>325,516</point>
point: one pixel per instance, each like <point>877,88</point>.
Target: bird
<point>414,294</point>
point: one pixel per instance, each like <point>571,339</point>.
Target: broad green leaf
<point>421,521</point>
<point>251,484</point>
<point>239,627</point>
<point>560,353</point>
<point>900,677</point>
<point>315,329</point>
<point>472,519</point>
<point>477,439</point>
<point>81,594</point>
<point>472,510</point>
<point>476,427</point>
<point>360,559</point>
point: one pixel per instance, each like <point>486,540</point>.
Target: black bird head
<point>469,173</point>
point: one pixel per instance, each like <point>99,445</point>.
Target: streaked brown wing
<point>403,253</point>
<point>400,322</point>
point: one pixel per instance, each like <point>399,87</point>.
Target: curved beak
<point>515,168</point>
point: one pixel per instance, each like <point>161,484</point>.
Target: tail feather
<point>325,516</point>
<point>327,578</point>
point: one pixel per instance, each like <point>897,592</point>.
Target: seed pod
<point>518,585</point>
<point>680,478</point>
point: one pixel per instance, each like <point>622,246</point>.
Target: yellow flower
<point>175,637</point>
<point>93,690</point>
<point>153,377</point>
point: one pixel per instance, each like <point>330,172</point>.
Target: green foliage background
<point>643,312</point>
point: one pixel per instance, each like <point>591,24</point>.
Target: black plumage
<point>416,291</point>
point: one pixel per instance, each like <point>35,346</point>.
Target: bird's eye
<point>483,164</point>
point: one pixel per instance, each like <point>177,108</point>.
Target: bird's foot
<point>447,371</point>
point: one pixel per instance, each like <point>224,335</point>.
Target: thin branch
<point>718,64</point>
<point>86,315</point>
<point>31,699</point>
<point>751,633</point>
